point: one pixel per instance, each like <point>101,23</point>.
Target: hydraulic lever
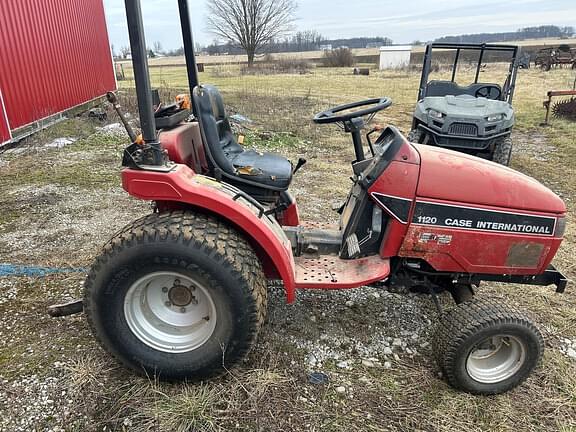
<point>111,96</point>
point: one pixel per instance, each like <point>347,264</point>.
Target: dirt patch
<point>57,220</point>
<point>533,145</point>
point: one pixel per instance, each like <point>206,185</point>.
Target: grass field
<point>61,205</point>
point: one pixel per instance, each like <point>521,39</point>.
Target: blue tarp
<point>34,271</point>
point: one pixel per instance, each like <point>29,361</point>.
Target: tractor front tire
<point>486,347</point>
<point>503,150</point>
<point>177,296</point>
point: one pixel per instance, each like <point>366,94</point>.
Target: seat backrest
<point>215,126</point>
<point>446,88</point>
<point>442,88</point>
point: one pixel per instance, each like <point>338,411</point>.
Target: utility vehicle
<point>182,293</point>
<point>475,118</point>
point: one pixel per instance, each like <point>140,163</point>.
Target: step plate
<point>331,272</point>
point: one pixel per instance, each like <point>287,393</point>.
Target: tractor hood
<point>451,176</point>
<point>465,106</point>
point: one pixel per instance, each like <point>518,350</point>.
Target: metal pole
<point>513,71</point>
<point>425,71</point>
<point>141,76</point>
<point>479,63</point>
<point>455,64</point>
<point>188,40</point>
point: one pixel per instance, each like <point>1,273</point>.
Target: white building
<point>395,56</point>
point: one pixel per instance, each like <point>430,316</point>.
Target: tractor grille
<point>465,129</point>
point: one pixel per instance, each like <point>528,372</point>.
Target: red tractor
<point>182,293</point>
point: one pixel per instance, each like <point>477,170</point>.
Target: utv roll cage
<point>509,84</point>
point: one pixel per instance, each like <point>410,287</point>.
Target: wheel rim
<point>170,312</point>
<point>496,359</point>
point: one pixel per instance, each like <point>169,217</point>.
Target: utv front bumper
<point>467,141</point>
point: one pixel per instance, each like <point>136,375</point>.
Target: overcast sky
<point>402,21</point>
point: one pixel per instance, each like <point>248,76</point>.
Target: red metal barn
<point>54,56</point>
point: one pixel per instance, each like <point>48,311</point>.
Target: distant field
<point>365,55</point>
<point>235,59</point>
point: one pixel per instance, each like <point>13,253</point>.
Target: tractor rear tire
<point>486,347</point>
<point>415,136</point>
<point>176,295</point>
<point>503,150</point>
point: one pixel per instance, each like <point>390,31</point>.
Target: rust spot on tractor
<point>524,254</point>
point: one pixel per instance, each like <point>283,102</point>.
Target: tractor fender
<point>182,186</point>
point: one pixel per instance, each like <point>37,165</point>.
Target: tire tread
<point>462,321</point>
<point>213,237</point>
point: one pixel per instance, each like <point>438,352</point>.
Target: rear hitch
<point>65,309</point>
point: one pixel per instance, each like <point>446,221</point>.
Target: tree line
<point>545,31</point>
<point>308,40</point>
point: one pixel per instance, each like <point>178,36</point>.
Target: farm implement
<point>181,293</point>
<point>565,108</point>
<point>548,58</point>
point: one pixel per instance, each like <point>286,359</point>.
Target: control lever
<point>376,128</point>
<point>111,96</point>
<point>300,164</point>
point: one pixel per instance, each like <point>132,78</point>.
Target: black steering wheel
<point>489,92</point>
<point>372,107</point>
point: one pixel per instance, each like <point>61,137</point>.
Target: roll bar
<point>509,84</point>
<point>141,72</point>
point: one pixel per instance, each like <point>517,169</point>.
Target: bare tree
<point>251,24</point>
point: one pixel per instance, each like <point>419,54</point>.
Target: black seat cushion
<point>266,168</point>
<point>445,88</point>
<point>269,170</point>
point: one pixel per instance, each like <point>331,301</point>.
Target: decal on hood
<point>476,219</point>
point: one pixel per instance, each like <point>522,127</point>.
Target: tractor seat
<point>239,166</point>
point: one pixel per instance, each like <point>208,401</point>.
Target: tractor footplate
<point>331,272</point>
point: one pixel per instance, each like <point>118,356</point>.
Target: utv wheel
<point>176,295</point>
<point>486,347</point>
<point>415,136</point>
<point>503,151</point>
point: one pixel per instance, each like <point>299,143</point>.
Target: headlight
<point>560,227</point>
<point>435,114</point>
<point>495,117</point>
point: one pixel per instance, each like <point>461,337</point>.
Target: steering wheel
<point>489,92</point>
<point>372,106</point>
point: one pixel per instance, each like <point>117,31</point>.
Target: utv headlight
<point>495,117</point>
<point>435,114</point>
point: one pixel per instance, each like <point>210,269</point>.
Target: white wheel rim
<point>170,312</point>
<point>496,359</point>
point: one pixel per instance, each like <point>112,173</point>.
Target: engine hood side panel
<point>461,178</point>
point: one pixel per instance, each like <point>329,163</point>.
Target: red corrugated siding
<point>54,54</point>
<point>4,129</point>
